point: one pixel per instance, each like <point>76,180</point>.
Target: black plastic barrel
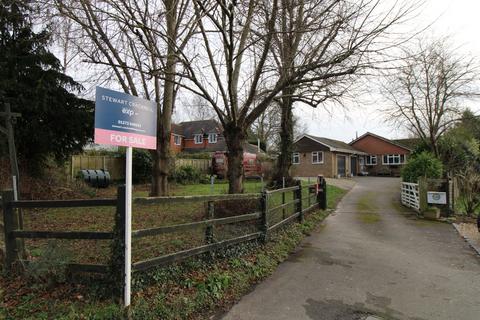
<point>96,178</point>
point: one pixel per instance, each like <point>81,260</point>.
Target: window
<point>212,138</point>
<point>393,159</point>
<point>295,158</point>
<point>177,140</point>
<point>198,138</point>
<point>371,160</point>
<point>317,157</point>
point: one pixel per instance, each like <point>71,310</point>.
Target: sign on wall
<point>435,197</point>
<point>125,120</point>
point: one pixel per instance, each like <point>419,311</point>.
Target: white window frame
<point>198,138</point>
<point>177,140</point>
<point>317,153</point>
<point>393,159</point>
<point>212,138</point>
<point>297,155</point>
<point>371,162</point>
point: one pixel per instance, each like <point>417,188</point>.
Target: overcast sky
<point>458,18</point>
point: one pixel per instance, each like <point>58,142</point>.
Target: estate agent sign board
<point>125,120</point>
<point>129,121</point>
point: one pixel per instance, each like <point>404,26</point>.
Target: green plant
<point>197,155</point>
<point>51,265</point>
<point>423,164</point>
<point>186,174</point>
<point>141,165</point>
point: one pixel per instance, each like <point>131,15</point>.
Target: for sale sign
<point>125,120</point>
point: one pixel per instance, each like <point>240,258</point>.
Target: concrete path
<point>372,259</point>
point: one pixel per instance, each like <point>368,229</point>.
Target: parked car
<point>252,167</point>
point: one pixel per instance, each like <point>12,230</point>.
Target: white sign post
<point>129,121</point>
<point>128,226</point>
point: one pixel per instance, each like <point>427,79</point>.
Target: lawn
<point>179,291</point>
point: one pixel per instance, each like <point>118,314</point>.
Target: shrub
<point>186,174</point>
<point>50,266</point>
<point>423,164</point>
<point>141,165</point>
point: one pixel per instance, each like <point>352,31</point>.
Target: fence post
<point>284,215</point>
<point>117,263</point>
<point>263,217</point>
<point>8,226</point>
<point>210,215</point>
<point>298,197</point>
<point>422,193</point>
<point>322,193</point>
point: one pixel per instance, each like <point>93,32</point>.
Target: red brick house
<point>384,156</point>
<point>200,136</point>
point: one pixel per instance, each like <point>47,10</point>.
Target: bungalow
<point>384,156</point>
<point>200,136</point>
<point>331,158</point>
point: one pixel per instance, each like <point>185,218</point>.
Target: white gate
<point>410,195</point>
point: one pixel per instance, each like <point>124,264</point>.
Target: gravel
<point>470,232</point>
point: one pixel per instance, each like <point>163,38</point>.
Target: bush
<point>141,165</point>
<point>423,164</point>
<point>186,174</point>
<point>51,265</point>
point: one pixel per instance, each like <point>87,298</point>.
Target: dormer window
<point>212,138</point>
<point>198,138</point>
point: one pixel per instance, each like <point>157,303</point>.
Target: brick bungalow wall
<point>379,147</point>
<point>307,169</point>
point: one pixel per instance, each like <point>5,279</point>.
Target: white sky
<point>459,19</point>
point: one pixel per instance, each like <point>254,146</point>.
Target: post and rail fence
<point>270,202</point>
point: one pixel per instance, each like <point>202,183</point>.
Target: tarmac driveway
<point>372,259</point>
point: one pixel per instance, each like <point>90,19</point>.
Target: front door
<point>353,165</point>
<point>341,167</point>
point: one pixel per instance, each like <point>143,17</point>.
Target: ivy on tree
<point>54,122</point>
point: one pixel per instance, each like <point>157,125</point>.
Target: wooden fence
<point>315,198</point>
<point>116,165</point>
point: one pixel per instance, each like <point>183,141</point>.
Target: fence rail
<point>257,223</point>
<point>410,196</point>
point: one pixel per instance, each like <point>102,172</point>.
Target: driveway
<point>372,259</point>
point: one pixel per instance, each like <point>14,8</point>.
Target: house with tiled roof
<point>384,156</point>
<point>314,155</point>
<point>201,136</point>
<point>369,154</point>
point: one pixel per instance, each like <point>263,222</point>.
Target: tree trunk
<point>161,166</point>
<point>284,160</point>
<point>234,138</point>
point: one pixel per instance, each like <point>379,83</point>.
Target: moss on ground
<point>367,209</point>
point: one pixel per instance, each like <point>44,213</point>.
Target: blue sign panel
<point>125,120</point>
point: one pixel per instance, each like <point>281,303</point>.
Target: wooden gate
<point>410,195</point>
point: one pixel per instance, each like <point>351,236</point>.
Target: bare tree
<point>135,44</point>
<point>199,109</point>
<point>267,126</point>
<point>427,90</point>
<point>346,38</point>
<point>237,73</point>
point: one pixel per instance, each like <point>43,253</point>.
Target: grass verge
<point>194,289</point>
